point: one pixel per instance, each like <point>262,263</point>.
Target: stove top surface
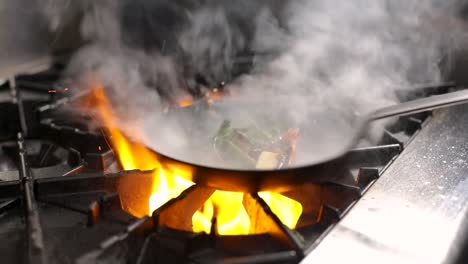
<point>417,209</point>
<point>63,196</point>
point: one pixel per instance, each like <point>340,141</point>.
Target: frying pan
<point>326,140</point>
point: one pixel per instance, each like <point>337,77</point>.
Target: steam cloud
<point>335,58</point>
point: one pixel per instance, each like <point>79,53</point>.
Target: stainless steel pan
<point>334,134</point>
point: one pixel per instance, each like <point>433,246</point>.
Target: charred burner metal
<point>63,196</point>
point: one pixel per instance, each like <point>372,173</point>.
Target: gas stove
<point>64,197</point>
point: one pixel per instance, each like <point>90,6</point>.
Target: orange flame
<point>231,215</point>
<point>232,218</point>
<point>165,185</point>
<point>287,209</point>
<point>185,102</point>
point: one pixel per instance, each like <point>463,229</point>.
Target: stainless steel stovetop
<point>416,211</point>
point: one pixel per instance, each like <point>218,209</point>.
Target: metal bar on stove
<point>333,194</point>
<point>78,183</point>
<point>63,101</point>
<point>17,100</point>
<point>36,246</point>
<point>264,220</point>
<point>35,240</point>
<point>178,212</point>
<point>76,170</point>
<point>373,156</point>
<point>142,226</point>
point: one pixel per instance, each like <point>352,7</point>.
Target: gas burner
<point>65,199</point>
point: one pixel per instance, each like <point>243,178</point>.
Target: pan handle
<point>422,105</point>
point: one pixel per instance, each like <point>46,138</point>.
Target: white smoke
<point>357,51</point>
<point>335,58</point>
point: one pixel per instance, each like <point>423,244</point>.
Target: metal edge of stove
<point>459,254</point>
<point>414,212</point>
<point>311,247</point>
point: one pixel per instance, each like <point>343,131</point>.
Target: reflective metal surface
<point>24,36</point>
<point>29,66</point>
<point>413,213</point>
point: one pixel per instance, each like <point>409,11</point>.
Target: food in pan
<point>254,146</point>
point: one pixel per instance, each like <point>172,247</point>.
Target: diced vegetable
<point>268,160</point>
